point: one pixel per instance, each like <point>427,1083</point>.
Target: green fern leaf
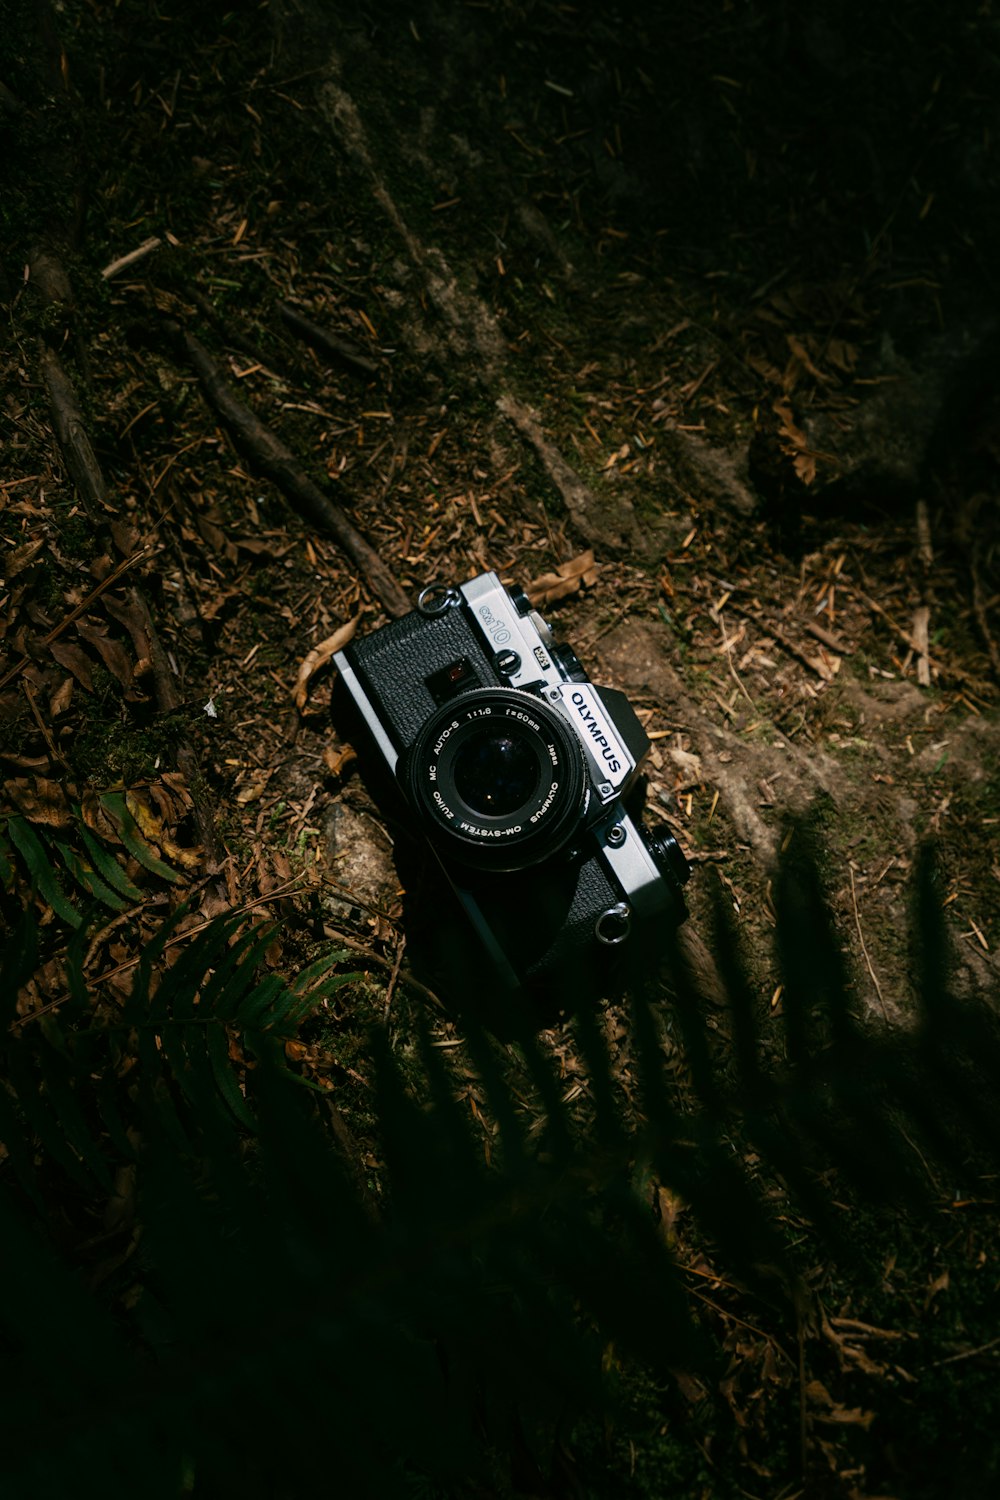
<point>222,1070</point>
<point>33,1099</point>
<point>89,880</point>
<point>222,994</point>
<point>128,829</point>
<point>12,1134</point>
<point>6,865</point>
<point>109,868</point>
<point>266,1007</point>
<point>43,875</point>
<point>314,971</point>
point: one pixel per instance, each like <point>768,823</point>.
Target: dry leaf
<point>149,825</point>
<point>112,653</point>
<point>337,758</point>
<point>846,1416</point>
<point>75,661</point>
<point>61,698</point>
<point>98,819</point>
<point>801,353</point>
<point>257,784</point>
<point>687,762</point>
<point>41,801</point>
<point>318,657</point>
<point>261,547</point>
<point>131,614</point>
<point>566,579</point>
<point>216,537</point>
<point>189,859</point>
<point>804,465</point>
<point>667,1209</point>
<point>19,558</point>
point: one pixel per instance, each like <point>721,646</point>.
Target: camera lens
<point>495,772</point>
<point>499,779</point>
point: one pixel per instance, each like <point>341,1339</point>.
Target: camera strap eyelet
<point>614,924</point>
<point>436,598</point>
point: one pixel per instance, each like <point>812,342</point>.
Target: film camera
<point>524,777</point>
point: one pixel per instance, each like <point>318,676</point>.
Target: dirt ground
<point>607,312</point>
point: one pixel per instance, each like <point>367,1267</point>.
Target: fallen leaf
<point>318,657</point>
<point>686,761</point>
<point>112,653</point>
<point>667,1209</point>
<point>190,859</point>
<point>846,1416</point>
<point>255,788</point>
<point>337,758</point>
<point>75,661</point>
<point>61,698</point>
<point>41,801</point>
<point>149,825</point>
<point>19,558</point>
<point>97,818</point>
<point>567,578</point>
<point>216,537</point>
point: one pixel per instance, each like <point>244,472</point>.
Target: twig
<point>278,463</point>
<point>236,337</point>
<point>732,668</point>
<point>46,733</point>
<point>789,645</point>
<point>124,261</point>
<point>340,350</point>
<point>404,976</point>
<point>953,1359</point>
<point>828,638</point>
<point>80,609</point>
<point>168,702</point>
<point>861,940</point>
<point>400,950</point>
<point>72,436</point>
<point>904,635</point>
<point>750,1327</point>
<point>922,636</point>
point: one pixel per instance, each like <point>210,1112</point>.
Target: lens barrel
<point>498,778</point>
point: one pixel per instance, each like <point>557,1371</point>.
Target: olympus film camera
<point>524,777</point>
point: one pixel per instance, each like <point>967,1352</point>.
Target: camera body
<point>522,775</point>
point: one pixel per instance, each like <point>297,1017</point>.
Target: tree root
<point>278,463</point>
<point>341,351</point>
<point>72,436</point>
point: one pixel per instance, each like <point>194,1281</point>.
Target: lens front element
<point>499,778</point>
<point>495,771</point>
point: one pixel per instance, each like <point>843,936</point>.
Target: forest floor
<point>585,330</point>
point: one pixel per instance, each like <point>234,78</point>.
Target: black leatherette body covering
<point>544,918</point>
<point>394,662</point>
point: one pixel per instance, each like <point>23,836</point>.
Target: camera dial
<point>667,855</point>
<point>498,778</point>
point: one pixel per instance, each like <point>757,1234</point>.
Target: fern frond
<point>41,870</point>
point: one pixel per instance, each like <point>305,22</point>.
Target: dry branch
<point>236,337</point>
<point>168,702</point>
<point>341,351</point>
<point>72,436</point>
<point>278,463</point>
<point>132,258</point>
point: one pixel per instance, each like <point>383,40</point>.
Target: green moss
<point>111,749</point>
